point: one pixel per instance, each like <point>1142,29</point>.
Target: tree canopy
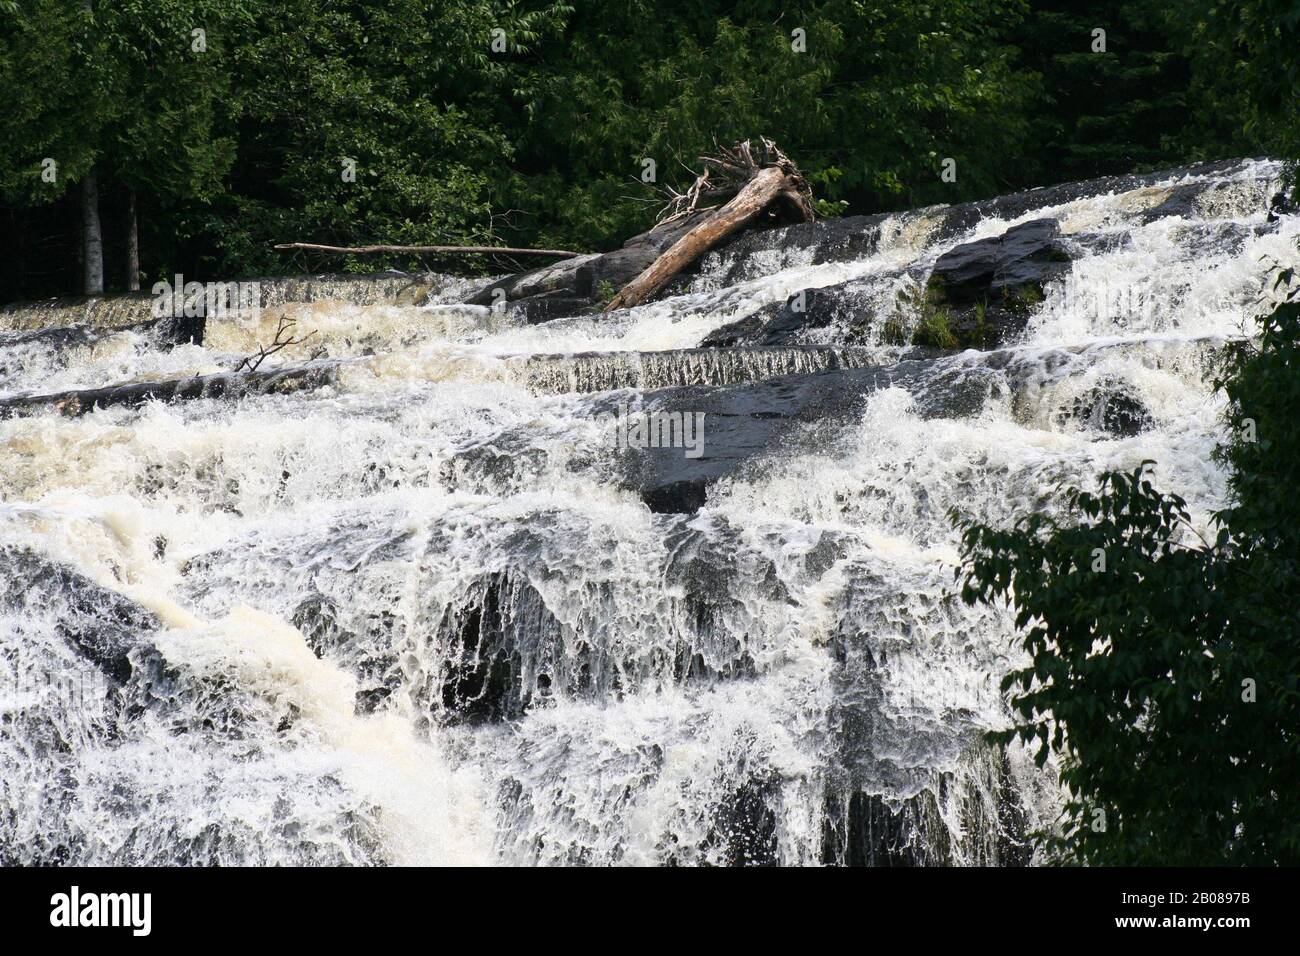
<point>240,123</point>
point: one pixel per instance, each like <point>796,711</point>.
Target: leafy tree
<point>1245,65</point>
<point>876,96</point>
<point>112,91</point>
<point>1166,669</point>
<point>362,122</point>
<point>169,140</point>
<point>245,144</point>
<point>1114,82</point>
<point>55,107</point>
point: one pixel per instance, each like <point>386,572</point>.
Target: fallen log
<point>485,250</point>
<point>222,384</point>
<point>767,183</point>
<point>749,202</point>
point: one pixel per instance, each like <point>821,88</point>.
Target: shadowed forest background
<point>228,124</point>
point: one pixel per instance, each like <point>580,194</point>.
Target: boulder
<point>982,293</point>
<point>1111,409</point>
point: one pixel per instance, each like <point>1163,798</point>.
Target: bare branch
<point>475,250</point>
<point>282,340</point>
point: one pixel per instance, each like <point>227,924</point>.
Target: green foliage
<point>882,93</point>
<point>407,90</point>
<point>1146,641</point>
<point>605,290</point>
<point>933,330</point>
<point>1111,110</point>
<point>1024,299</point>
<point>55,105</point>
<point>243,145</point>
<point>1244,64</point>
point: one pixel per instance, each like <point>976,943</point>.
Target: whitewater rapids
<point>413,616</point>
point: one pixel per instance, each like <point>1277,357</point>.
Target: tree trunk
<point>92,238</point>
<point>221,384</point>
<point>132,245</point>
<point>487,250</point>
<point>766,185</point>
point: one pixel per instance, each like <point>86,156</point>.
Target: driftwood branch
<point>758,183</point>
<point>283,339</point>
<point>484,250</point>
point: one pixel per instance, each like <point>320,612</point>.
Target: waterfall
<point>439,607</point>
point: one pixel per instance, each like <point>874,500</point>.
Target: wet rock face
<point>318,620</point>
<point>786,323</point>
<point>102,625</point>
<point>978,295</point>
<point>862,829</point>
<point>744,420</point>
<point>1111,409</point>
<point>744,825</point>
<point>843,239</point>
<point>850,237</point>
<point>1023,254</point>
<point>502,652</point>
<point>739,422</point>
<point>986,290</point>
<point>962,216</point>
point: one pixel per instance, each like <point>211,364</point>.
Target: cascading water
<point>422,613</point>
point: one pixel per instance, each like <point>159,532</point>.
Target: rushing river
<point>423,614</point>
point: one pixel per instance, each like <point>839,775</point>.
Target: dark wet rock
<point>739,422</point>
<point>850,237</point>
<point>844,305</point>
<point>319,620</point>
<point>64,339</point>
<point>747,411</point>
<point>979,295</point>
<point>180,330</point>
<point>502,650</point>
<point>1220,238</point>
<point>746,331</point>
<point>867,830</point>
<point>1182,201</point>
<point>806,309</point>
<point>677,497</point>
<point>958,218</point>
<point>1283,203</point>
<point>1112,410</point>
<point>1020,255</point>
<point>841,239</point>
<point>54,337</point>
<point>102,625</point>
<point>545,308</point>
<point>745,420</point>
<point>702,568</point>
<point>20,349</point>
<point>983,292</point>
<point>744,825</point>
<point>1190,200</point>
